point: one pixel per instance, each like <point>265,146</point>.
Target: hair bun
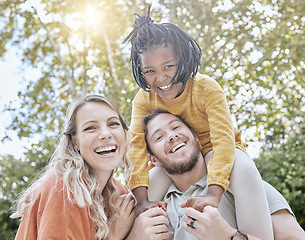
<point>139,22</point>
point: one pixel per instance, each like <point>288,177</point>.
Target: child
<point>165,61</point>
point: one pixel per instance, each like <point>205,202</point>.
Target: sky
<point>10,80</point>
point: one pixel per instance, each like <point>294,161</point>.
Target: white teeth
<point>165,87</point>
<point>105,149</point>
<point>178,146</point>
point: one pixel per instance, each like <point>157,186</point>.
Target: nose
<point>160,77</point>
<point>104,134</point>
<point>172,137</point>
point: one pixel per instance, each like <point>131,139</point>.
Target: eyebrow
<point>90,121</point>
<point>173,60</point>
<point>159,129</point>
<point>94,121</point>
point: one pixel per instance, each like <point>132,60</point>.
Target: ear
<point>75,143</point>
<point>154,160</point>
<point>195,136</point>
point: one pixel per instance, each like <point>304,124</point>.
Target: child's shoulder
<point>206,82</point>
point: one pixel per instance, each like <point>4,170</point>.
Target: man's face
<point>172,143</point>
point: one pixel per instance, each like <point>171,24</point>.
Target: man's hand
<point>212,198</point>
<point>208,224</point>
<point>145,205</point>
<point>151,225</point>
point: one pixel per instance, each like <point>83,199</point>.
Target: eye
<point>114,124</point>
<point>170,66</point>
<point>158,138</point>
<point>149,71</point>
<point>90,128</point>
<point>176,127</point>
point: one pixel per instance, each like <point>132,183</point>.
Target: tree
<point>282,165</point>
<point>254,49</point>
<point>17,174</point>
<point>77,51</point>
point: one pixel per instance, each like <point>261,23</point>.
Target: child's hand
<point>212,198</point>
<point>145,205</point>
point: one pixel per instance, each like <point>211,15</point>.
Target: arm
<point>221,134</point>
<point>138,155</point>
<point>209,225</point>
<point>137,152</point>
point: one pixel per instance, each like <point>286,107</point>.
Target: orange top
<point>52,216</point>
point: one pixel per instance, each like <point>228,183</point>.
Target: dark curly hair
<point>146,35</point>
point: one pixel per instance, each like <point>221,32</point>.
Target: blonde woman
<point>77,197</point>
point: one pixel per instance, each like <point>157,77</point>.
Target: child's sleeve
<point>137,152</point>
<point>222,138</point>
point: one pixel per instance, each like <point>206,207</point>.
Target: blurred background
<point>53,51</point>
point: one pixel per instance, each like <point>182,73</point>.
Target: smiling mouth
<point>164,88</point>
<point>177,147</point>
<point>106,150</point>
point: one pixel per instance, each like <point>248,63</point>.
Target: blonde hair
<point>79,182</point>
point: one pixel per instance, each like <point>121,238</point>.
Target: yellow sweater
<point>204,107</point>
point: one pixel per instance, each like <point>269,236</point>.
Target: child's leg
<point>159,182</point>
<point>252,212</point>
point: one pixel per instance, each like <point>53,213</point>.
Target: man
<point>173,146</point>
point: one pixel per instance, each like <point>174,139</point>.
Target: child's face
<point>159,66</point>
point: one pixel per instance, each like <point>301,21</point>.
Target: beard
<point>180,168</point>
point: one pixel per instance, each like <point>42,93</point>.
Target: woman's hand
<point>125,205</point>
<point>151,225</point>
<point>208,225</point>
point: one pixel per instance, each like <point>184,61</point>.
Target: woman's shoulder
<point>51,186</point>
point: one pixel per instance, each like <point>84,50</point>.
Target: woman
<point>77,196</point>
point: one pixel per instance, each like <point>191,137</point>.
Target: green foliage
<point>254,49</point>
<point>282,165</point>
<point>17,174</point>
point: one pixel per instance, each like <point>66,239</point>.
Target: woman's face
<point>100,137</point>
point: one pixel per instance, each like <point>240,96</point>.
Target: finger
<point>128,202</point>
<point>162,205</point>
<point>184,204</point>
<point>155,211</point>
<point>199,206</point>
<point>165,235</point>
<point>159,220</point>
<point>192,213</point>
<point>131,206</point>
<point>120,200</point>
<point>161,228</point>
<point>188,228</point>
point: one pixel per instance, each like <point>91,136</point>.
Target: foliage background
<point>254,49</point>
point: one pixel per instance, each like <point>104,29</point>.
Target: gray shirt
<point>176,214</point>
